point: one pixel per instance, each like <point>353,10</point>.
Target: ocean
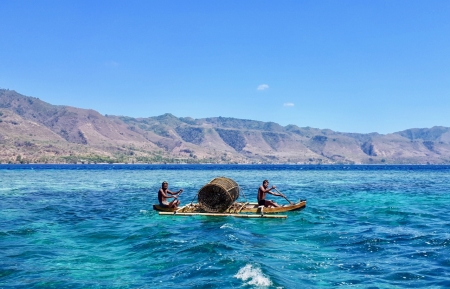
<point>93,226</point>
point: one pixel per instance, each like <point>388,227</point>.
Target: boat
<point>160,208</point>
<point>236,208</point>
<point>254,208</point>
<point>220,196</point>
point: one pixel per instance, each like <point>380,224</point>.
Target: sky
<point>350,66</point>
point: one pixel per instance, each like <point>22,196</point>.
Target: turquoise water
<point>93,227</point>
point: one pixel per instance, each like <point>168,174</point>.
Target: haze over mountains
<point>33,131</point>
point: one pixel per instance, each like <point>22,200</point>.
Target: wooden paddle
<point>177,195</point>
<point>176,198</point>
<point>283,196</point>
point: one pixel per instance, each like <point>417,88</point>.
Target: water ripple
<point>93,226</point>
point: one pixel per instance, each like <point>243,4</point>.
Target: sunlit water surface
<point>93,226</point>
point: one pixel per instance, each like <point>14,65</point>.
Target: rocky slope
<point>32,130</point>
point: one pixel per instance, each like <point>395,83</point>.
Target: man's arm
<point>173,193</point>
<point>272,193</point>
<point>164,194</point>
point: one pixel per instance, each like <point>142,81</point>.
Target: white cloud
<point>288,104</point>
<point>111,63</point>
<point>262,87</point>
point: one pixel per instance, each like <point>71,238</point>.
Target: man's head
<point>265,183</point>
<point>165,185</point>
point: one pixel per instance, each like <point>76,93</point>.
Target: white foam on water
<point>179,241</point>
<point>254,276</point>
<point>232,237</point>
<point>227,225</point>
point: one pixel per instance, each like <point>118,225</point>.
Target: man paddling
<point>164,194</point>
<point>262,191</point>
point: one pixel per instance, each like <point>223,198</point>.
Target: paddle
<point>283,195</point>
<point>178,194</point>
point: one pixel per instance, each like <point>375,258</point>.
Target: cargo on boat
<point>218,195</point>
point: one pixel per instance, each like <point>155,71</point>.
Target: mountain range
<point>34,131</point>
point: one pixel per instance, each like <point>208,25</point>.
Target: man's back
<point>261,193</point>
<point>161,197</point>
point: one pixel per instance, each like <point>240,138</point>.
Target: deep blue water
<point>92,226</point>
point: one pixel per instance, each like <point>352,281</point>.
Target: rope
<point>242,207</point>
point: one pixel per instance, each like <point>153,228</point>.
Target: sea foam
<point>254,275</point>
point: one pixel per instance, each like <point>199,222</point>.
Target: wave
<point>254,275</point>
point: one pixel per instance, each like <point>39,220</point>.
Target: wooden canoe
<point>254,208</point>
<point>164,209</point>
<point>236,208</point>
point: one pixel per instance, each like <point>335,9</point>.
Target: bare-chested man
<point>164,194</point>
<point>262,191</point>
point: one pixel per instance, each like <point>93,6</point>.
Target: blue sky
<point>351,66</point>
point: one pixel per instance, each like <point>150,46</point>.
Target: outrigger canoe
<point>219,198</point>
<point>235,209</point>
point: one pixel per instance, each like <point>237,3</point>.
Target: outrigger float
<point>218,199</point>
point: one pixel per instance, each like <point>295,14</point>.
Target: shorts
<point>164,204</point>
<point>261,202</point>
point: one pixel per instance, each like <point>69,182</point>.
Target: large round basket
<point>218,195</point>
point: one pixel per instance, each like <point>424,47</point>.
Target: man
<point>262,191</point>
<point>164,194</point>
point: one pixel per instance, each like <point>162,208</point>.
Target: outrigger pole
<point>225,215</point>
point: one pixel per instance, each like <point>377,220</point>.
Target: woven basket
<point>218,195</point>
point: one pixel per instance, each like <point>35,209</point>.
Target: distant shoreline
<point>222,165</point>
<point>216,164</point>
<point>35,132</point>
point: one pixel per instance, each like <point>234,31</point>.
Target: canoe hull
<point>254,208</point>
<point>237,208</point>
<point>164,209</point>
